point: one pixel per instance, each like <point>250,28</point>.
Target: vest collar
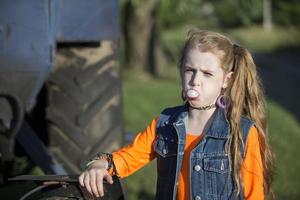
<point>179,117</point>
<point>219,127</point>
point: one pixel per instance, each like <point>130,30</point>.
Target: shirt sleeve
<point>252,170</point>
<point>130,158</point>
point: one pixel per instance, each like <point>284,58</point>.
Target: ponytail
<point>248,99</point>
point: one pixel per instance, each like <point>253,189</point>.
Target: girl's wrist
<point>103,160</point>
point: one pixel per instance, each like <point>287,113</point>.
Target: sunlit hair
<point>247,98</point>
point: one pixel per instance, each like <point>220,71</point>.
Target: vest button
<point>197,197</point>
<point>164,151</point>
<point>197,168</point>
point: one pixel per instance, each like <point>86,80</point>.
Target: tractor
<point>60,83</point>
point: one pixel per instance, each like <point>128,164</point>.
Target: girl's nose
<point>196,79</point>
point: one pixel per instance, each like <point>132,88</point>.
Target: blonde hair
<point>247,98</point>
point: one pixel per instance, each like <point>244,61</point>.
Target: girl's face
<point>202,73</point>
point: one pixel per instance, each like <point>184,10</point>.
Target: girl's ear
<point>227,80</point>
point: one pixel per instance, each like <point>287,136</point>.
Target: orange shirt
<point>184,176</point>
<point>140,152</point>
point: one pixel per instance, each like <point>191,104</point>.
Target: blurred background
<point>152,36</point>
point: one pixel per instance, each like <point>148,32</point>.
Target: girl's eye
<point>188,70</point>
<point>208,74</point>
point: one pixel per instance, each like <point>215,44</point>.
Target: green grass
<point>285,140</point>
<point>145,97</point>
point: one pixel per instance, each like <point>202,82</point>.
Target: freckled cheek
<point>187,78</point>
<point>185,81</point>
<point>211,89</point>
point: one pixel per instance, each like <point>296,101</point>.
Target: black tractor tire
<point>84,110</point>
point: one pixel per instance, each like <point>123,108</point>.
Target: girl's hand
<point>92,178</point>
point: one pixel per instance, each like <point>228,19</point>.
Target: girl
<point>214,146</point>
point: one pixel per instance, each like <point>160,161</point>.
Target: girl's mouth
<point>192,94</point>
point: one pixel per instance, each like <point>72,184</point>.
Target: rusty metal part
<point>67,187</point>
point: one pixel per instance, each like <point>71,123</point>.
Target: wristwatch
<point>102,156</point>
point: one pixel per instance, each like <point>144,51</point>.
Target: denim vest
<point>210,172</point>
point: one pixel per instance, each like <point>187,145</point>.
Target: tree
<point>267,15</point>
<point>141,35</point>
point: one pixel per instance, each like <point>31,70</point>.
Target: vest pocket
<point>216,164</point>
<point>166,150</point>
<point>165,147</point>
<point>217,176</point>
